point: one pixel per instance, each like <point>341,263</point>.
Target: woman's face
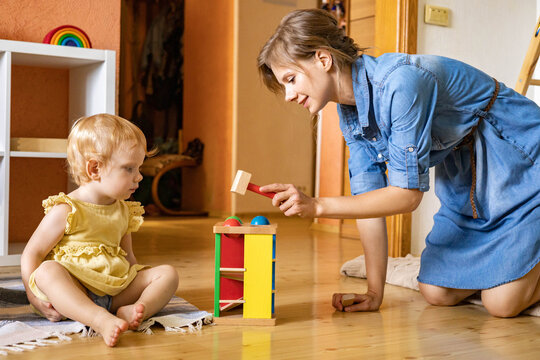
<point>308,83</point>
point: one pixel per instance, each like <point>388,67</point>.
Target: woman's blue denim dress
<point>411,113</point>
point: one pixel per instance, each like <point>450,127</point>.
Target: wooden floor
<point>307,327</point>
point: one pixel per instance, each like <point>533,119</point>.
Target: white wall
<point>492,35</point>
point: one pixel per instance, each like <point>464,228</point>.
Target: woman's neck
<point>345,92</point>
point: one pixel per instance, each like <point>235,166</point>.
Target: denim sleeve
<point>365,173</point>
<point>411,95</point>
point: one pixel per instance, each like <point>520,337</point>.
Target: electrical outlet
<point>437,15</point>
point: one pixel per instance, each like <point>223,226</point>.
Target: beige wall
<point>208,88</point>
<point>39,106</point>
<point>273,140</point>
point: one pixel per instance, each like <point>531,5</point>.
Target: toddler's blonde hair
<point>298,37</point>
<point>97,137</point>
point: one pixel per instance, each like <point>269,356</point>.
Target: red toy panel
<point>230,290</point>
<point>232,251</point>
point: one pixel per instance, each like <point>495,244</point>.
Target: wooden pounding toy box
<point>245,271</point>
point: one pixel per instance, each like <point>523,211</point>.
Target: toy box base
<point>240,320</point>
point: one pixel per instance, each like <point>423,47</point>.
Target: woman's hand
<point>45,308</point>
<point>292,201</point>
<point>369,301</point>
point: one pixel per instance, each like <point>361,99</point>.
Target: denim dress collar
<point>359,120</point>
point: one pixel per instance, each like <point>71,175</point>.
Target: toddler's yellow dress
<point>90,248</point>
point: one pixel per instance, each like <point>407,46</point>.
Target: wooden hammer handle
<point>255,188</point>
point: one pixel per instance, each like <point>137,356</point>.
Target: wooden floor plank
<point>307,270</point>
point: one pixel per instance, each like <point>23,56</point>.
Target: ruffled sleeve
<point>136,210</point>
<point>61,198</point>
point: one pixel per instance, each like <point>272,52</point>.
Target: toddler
<point>79,262</point>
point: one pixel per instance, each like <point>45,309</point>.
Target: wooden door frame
<point>396,24</point>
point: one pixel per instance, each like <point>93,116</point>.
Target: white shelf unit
<point>92,85</point>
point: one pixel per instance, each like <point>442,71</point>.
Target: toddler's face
<point>121,177</point>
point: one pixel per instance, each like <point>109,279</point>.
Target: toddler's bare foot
<point>110,327</point>
<point>133,314</point>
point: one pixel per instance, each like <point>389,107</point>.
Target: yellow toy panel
<point>258,276</point>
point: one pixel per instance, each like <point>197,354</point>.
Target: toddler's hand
<point>47,310</point>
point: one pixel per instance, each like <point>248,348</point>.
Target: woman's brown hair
<point>299,35</point>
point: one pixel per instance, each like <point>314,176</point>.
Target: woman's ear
<point>93,169</point>
<point>324,59</point>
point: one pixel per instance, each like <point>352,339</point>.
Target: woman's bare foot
<point>133,314</point>
<point>110,327</point>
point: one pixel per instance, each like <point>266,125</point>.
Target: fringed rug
<point>403,272</point>
<point>21,329</point>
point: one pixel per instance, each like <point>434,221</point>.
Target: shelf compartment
<point>37,154</point>
<point>59,84</point>
<point>46,55</point>
<point>46,145</point>
<point>31,180</point>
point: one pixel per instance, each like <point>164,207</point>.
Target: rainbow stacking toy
<point>245,271</point>
<point>68,35</point>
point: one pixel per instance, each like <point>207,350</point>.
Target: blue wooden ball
<point>260,220</point>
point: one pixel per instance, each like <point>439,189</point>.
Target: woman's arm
<point>126,244</point>
<point>374,241</point>
<point>48,233</point>
<point>378,203</point>
<point>371,208</point>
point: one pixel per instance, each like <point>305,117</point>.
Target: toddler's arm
<point>48,233</point>
<point>126,244</point>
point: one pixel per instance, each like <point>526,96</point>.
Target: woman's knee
<point>439,296</point>
<point>501,304</point>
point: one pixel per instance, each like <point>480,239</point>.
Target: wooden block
<point>347,299</point>
<point>258,276</point>
<point>238,320</point>
<point>240,182</point>
<point>245,229</point>
<point>39,145</point>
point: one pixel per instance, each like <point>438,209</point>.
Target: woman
<point>404,114</point>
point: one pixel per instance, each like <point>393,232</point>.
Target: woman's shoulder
<point>397,65</point>
<point>439,68</point>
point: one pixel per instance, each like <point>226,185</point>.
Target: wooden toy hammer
<point>347,299</point>
<point>241,184</point>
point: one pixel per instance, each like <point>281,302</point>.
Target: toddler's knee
<point>170,273</point>
<point>46,271</point>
